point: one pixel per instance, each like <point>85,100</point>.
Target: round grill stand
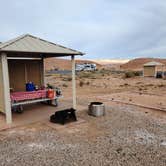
<point>96,109</point>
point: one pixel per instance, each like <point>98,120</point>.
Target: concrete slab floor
<point>31,114</point>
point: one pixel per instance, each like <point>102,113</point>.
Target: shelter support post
<point>155,72</point>
<point>42,66</point>
<point>5,75</point>
<point>73,81</point>
<point>162,71</point>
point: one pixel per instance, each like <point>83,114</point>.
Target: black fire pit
<point>63,116</point>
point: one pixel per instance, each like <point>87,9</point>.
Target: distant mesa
<point>64,64</point>
<point>111,61</point>
<point>137,64</point>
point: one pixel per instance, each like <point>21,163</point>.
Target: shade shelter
<point>21,60</point>
<point>150,69</point>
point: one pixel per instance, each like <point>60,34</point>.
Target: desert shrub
<point>81,84</point>
<point>48,75</point>
<point>138,73</point>
<point>94,74</point>
<point>140,89</point>
<point>138,82</point>
<point>65,85</point>
<point>67,79</point>
<point>149,85</point>
<point>50,86</point>
<point>122,85</point>
<point>105,72</point>
<point>88,83</point>
<point>129,74</point>
<point>90,75</point>
<point>161,85</point>
<point>126,84</point>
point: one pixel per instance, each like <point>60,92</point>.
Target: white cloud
<point>101,28</point>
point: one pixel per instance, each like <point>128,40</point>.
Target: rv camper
<point>86,67</point>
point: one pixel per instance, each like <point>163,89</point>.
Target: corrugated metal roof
<point>153,63</point>
<point>29,43</point>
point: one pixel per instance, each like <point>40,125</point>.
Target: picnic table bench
<point>24,98</point>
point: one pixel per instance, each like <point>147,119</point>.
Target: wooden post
<point>156,69</point>
<point>42,67</point>
<point>162,71</point>
<point>73,81</point>
<point>5,75</point>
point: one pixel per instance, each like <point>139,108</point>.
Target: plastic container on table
<point>30,86</point>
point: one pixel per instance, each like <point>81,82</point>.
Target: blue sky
<point>103,29</point>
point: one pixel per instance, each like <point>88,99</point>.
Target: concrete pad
<point>57,126</point>
<point>32,113</point>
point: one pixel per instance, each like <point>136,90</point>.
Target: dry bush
<point>138,73</point>
<point>125,84</point>
<point>130,74</point>
<point>161,85</point>
<point>81,84</point>
<point>89,75</point>
<point>105,72</point>
<point>65,85</point>
<point>67,79</point>
<point>88,83</point>
<point>149,85</point>
<point>94,74</point>
<point>138,82</point>
<point>48,75</point>
<point>140,89</point>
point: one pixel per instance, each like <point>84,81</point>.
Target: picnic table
<point>22,98</point>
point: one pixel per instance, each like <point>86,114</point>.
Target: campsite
<point>83,83</point>
<point>132,131</point>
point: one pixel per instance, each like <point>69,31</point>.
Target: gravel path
<point>122,138</point>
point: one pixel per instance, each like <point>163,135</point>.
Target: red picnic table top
<point>21,96</point>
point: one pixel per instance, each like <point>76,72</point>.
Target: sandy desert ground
<point>130,134</point>
<point>106,86</point>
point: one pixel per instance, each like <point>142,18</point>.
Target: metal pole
<point>73,81</point>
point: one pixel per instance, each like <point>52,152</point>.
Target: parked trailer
<point>86,67</point>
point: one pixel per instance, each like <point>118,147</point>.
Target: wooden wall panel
<point>149,71</point>
<point>34,72</point>
<point>23,71</point>
<point>17,75</point>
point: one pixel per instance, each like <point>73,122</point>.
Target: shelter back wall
<point>23,71</point>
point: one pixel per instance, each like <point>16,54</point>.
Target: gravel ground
<point>121,138</point>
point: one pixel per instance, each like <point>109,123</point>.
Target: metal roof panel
<point>29,43</point>
<point>153,63</point>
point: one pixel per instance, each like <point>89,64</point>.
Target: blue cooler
<point>30,86</point>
